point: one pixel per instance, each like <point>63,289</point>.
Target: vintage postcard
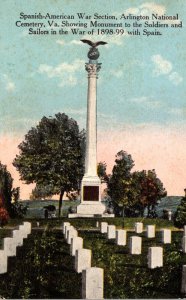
<point>92,149</point>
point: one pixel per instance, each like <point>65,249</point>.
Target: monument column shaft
<point>91,142</point>
<point>91,204</point>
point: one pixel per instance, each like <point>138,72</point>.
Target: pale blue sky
<point>141,80</point>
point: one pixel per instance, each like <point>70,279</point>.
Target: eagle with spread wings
<point>93,45</point>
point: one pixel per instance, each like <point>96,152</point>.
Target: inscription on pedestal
<point>91,193</point>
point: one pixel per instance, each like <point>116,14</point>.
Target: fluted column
<point>91,136</point>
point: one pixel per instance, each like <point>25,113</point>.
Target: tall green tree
<point>6,187</point>
<point>52,154</point>
<point>180,214</point>
<point>149,190</point>
<point>102,171</point>
<point>119,184</point>
<point>8,195</point>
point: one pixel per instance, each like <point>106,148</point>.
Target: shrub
<point>18,210</point>
<point>4,217</point>
<point>180,214</point>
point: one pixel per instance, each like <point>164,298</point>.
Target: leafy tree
<point>119,184</point>
<point>9,196</point>
<point>52,154</point>
<point>41,192</point>
<point>149,190</point>
<point>6,182</point>
<point>101,170</point>
<point>180,214</point>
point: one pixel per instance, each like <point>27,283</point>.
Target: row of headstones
<point>92,277</point>
<point>155,254</point>
<point>166,234</point>
<point>10,244</point>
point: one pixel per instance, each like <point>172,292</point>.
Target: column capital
<point>92,69</point>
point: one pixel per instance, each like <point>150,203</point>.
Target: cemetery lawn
<point>43,267</point>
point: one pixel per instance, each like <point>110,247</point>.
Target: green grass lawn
<point>44,269</point>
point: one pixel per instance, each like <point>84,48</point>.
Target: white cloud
<point>76,42</point>
<point>150,102</point>
<point>150,7</point>
<point>161,65</point>
<point>175,78</point>
<point>165,67</point>
<point>145,9</point>
<point>9,84</point>
<point>61,42</point>
<point>73,111</point>
<point>117,73</point>
<point>65,72</point>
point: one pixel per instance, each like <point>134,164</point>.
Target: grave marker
<point>92,283</point>
<point>9,246</point>
<point>138,227</point>
<point>135,245</point>
<point>166,236</point>
<point>183,282</point>
<point>155,257</point>
<point>76,244</point>
<point>150,231</point>
<point>82,259</point>
<point>111,231</point>
<point>3,262</point>
<point>23,231</point>
<point>18,236</point>
<point>184,244</point>
<point>64,225</point>
<point>121,237</point>
<point>67,228</point>
<point>104,226</point>
<point>70,234</point>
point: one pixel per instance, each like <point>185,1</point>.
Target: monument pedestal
<point>90,205</point>
<point>91,196</point>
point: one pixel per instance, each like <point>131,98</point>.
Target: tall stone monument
<point>91,185</point>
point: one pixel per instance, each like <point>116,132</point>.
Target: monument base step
<point>72,216</point>
<point>91,208</point>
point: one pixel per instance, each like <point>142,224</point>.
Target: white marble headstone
<point>82,259</point>
<point>111,231</point>
<point>155,257</point>
<point>3,262</point>
<point>121,237</point>
<point>92,283</point>
<point>76,243</point>
<point>135,245</point>
<point>104,226</point>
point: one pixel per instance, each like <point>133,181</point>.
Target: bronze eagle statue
<point>93,45</point>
